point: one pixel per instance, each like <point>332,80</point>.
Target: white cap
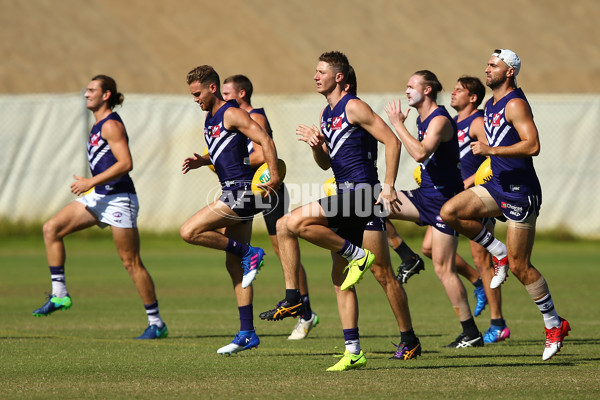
<point>510,58</point>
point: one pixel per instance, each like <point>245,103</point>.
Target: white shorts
<point>119,210</point>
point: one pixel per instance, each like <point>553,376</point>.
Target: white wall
<point>42,144</point>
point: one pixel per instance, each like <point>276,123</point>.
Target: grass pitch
<point>89,350</point>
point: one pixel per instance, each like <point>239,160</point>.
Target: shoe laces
<point>400,349</point>
<point>553,335</point>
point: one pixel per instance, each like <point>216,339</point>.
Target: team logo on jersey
<point>117,214</point>
<point>94,139</point>
<point>496,120</point>
<point>215,131</point>
<point>461,136</point>
<point>336,123</point>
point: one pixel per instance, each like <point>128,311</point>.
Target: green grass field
<point>89,350</point>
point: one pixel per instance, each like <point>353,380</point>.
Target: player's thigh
<point>408,211</point>
<point>376,243</point>
<point>127,242</point>
<point>308,214</point>
<point>470,204</point>
<point>519,245</point>
<point>71,218</point>
<point>212,217</point>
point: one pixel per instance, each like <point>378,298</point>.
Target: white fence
<point>42,144</point>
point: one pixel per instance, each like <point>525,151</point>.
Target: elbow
<point>535,151</point>
<point>421,158</point>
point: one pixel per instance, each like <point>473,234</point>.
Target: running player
<point>436,149</point>
<point>511,141</point>
<point>226,130</point>
<point>240,89</point>
<point>337,223</point>
<point>109,199</point>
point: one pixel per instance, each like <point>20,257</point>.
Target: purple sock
<point>246,318</point>
<point>237,248</point>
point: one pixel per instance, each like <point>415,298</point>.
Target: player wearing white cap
<point>514,191</point>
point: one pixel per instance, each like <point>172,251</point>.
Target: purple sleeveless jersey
<point>469,162</point>
<point>440,173</point>
<point>228,150</point>
<point>515,177</point>
<point>351,150</point>
<point>101,158</point>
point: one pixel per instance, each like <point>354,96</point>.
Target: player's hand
<point>311,136</point>
<point>196,161</point>
<point>479,148</point>
<point>81,185</point>
<point>389,199</point>
<point>272,186</point>
<point>395,114</point>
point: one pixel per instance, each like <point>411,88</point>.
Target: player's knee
<point>187,232</point>
<point>449,212</point>
<point>426,250</point>
<point>382,275</point>
<point>294,223</point>
<point>50,230</point>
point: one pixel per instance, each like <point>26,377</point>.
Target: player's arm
<point>359,113</point>
<point>195,161</point>
<point>517,113</point>
<point>256,157</point>
<point>315,139</point>
<point>419,150</point>
<point>239,119</point>
<point>114,133</point>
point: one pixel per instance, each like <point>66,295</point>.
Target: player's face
<point>414,90</point>
<point>460,97</point>
<point>495,72</point>
<point>324,78</point>
<point>93,96</point>
<point>229,92</point>
<point>202,95</point>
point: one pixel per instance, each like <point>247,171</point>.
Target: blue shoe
<point>481,299</point>
<point>495,334</point>
<point>252,262</point>
<point>243,340</point>
<point>54,303</point>
<point>154,332</point>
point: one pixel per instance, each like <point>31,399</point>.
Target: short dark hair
<point>351,81</point>
<point>474,86</point>
<point>108,84</point>
<point>241,82</point>
<point>205,74</point>
<point>338,62</point>
<point>431,80</point>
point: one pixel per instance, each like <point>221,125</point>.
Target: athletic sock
<point>408,337</point>
<point>59,286</point>
<point>246,318</point>
<point>153,315</point>
<point>351,252</point>
<point>237,248</point>
<point>478,282</point>
<point>486,239</point>
<point>470,328</point>
<point>351,340</point>
<point>546,306</point>
<point>405,252</point>
<point>307,310</point>
<point>292,295</point>
<point>498,322</point>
